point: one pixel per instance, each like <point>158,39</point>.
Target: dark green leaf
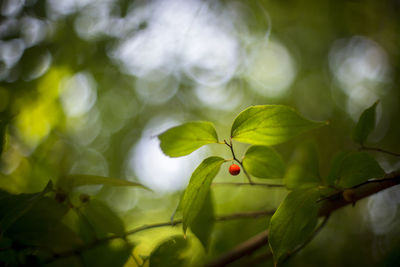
<point>303,171</point>
<point>186,138</point>
<point>358,167</point>
<point>35,224</point>
<point>293,221</point>
<point>196,192</point>
<point>169,253</point>
<point>113,253</point>
<point>3,127</point>
<point>365,124</point>
<point>204,222</point>
<point>102,219</point>
<point>20,204</point>
<point>270,125</point>
<point>336,165</point>
<point>263,162</point>
<point>71,181</point>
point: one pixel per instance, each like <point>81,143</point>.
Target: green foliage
<point>203,224</point>
<point>270,125</point>
<point>303,171</point>
<point>74,180</point>
<point>186,138</point>
<point>355,168</point>
<point>365,125</point>
<point>196,193</point>
<point>101,219</point>
<point>336,165</point>
<point>3,127</point>
<point>263,162</point>
<point>113,253</point>
<point>40,225</point>
<point>169,253</point>
<point>293,221</point>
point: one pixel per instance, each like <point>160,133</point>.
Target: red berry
<point>234,169</point>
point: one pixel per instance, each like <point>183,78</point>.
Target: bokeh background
<point>87,85</point>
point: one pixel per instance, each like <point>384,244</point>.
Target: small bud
<point>84,198</point>
<point>60,196</point>
<point>349,195</point>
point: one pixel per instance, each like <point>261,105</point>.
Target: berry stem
<point>230,145</point>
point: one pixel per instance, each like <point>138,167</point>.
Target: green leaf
<point>71,181</point>
<point>293,221</point>
<point>36,224</point>
<point>336,165</point>
<point>20,204</point>
<point>204,222</point>
<point>169,253</point>
<point>263,162</point>
<point>270,125</point>
<point>365,125</point>
<point>303,171</point>
<point>3,127</point>
<point>113,253</point>
<point>358,167</point>
<point>196,192</point>
<point>186,138</point>
<point>102,219</point>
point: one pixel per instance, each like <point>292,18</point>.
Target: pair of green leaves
<point>260,126</point>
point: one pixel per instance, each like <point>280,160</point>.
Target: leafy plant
<point>70,228</point>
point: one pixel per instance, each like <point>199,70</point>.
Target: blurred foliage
<point>85,86</point>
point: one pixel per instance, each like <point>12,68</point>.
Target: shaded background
<point>86,86</point>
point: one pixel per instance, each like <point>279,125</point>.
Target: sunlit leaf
<point>365,124</point>
<point>358,167</point>
<point>270,125</point>
<point>71,181</point>
<point>263,162</point>
<point>293,221</point>
<point>204,222</point>
<point>303,171</point>
<point>186,138</point>
<point>196,192</point>
<point>169,253</point>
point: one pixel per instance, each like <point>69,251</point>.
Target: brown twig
<point>327,207</point>
<point>242,184</point>
<point>221,218</point>
<point>379,150</point>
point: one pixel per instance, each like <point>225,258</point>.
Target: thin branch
<point>151,226</point>
<point>327,207</point>
<point>230,145</point>
<point>309,239</point>
<point>241,184</point>
<point>380,150</point>
<point>361,191</point>
<point>233,216</point>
